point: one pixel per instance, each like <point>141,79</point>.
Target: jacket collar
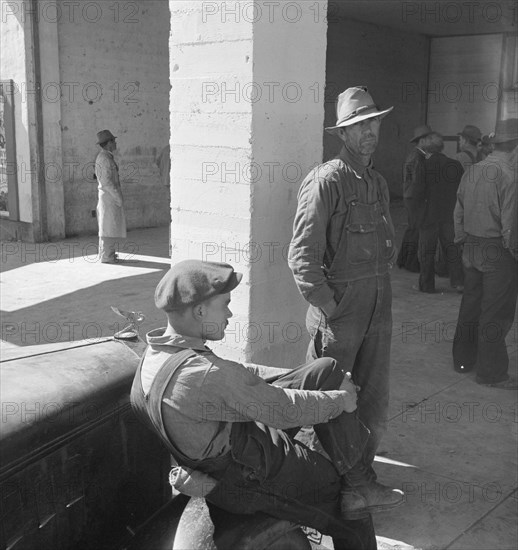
<point>156,337</point>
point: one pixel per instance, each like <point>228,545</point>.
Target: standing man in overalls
<point>340,254</point>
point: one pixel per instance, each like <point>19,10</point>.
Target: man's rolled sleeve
<point>309,240</point>
<point>249,398</point>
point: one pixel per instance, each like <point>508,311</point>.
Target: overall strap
<point>471,156</point>
<point>350,196</point>
<point>149,406</point>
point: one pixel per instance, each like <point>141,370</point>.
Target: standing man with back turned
<point>413,191</point>
<point>469,139</point>
<point>486,226</point>
<point>442,177</point>
<point>340,255</point>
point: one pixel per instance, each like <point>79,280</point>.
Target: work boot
<point>361,494</point>
<point>358,502</point>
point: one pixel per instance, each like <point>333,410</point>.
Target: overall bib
<point>358,333</point>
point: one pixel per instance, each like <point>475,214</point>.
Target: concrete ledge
<point>16,231</point>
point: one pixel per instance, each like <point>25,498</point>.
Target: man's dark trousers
<point>359,335</point>
<point>407,257</point>
<point>273,473</point>
<point>429,236</point>
<point>487,309</point>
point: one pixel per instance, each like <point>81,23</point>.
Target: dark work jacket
<point>414,186</point>
<point>414,175</point>
<point>442,178</point>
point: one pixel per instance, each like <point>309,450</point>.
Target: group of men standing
<point>467,205</point>
<point>430,183</point>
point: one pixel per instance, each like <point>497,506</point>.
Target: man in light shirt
<point>469,139</point>
<point>486,226</point>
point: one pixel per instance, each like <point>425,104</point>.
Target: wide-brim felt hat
<point>420,132</point>
<point>104,135</point>
<point>355,105</point>
<point>506,130</point>
<point>471,132</point>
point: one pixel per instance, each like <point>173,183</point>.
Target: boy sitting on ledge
<point>220,419</point>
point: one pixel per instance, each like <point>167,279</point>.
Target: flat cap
<point>191,282</point>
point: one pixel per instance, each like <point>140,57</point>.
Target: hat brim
<point>417,138</point>
<point>469,138</point>
<point>234,281</point>
<point>105,140</point>
<point>359,118</point>
<point>504,138</point>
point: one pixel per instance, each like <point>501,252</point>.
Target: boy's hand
<point>345,401</point>
<point>348,385</point>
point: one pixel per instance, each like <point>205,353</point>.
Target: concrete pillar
<point>16,63</point>
<point>246,126</point>
<point>30,41</point>
<point>54,170</point>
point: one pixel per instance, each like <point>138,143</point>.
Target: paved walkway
<point>451,444</point>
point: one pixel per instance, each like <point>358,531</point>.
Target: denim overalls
<point>358,333</point>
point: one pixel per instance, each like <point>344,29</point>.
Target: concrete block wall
<point>210,58</point>
<point>242,140</point>
<point>289,51</point>
<point>114,74</point>
<point>394,66</point>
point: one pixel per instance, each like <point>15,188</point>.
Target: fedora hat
<point>421,131</point>
<point>104,135</point>
<point>471,132</point>
<point>355,105</point>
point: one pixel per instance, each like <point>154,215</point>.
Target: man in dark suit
<point>413,194</point>
<point>442,177</point>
